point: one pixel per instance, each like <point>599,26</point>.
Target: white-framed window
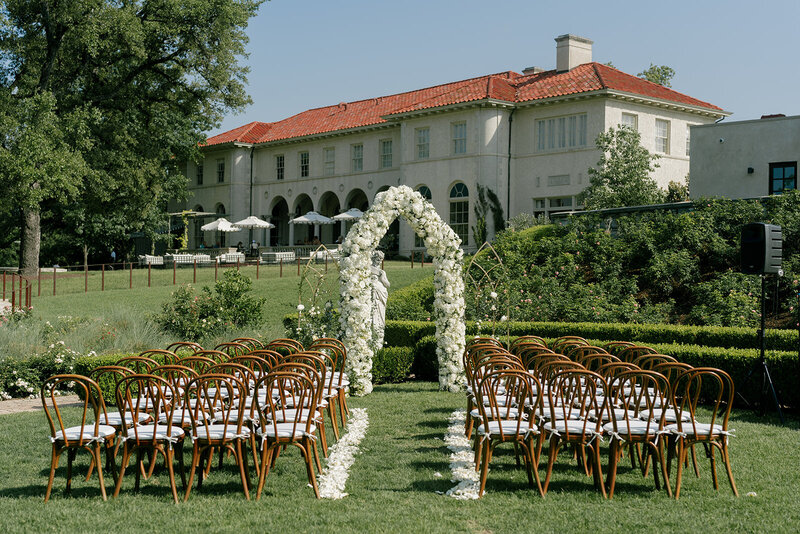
<point>688,139</point>
<point>357,157</point>
<point>539,207</point>
<point>328,161</point>
<point>200,173</point>
<point>220,171</point>
<point>561,179</point>
<point>304,164</point>
<point>631,120</point>
<point>459,211</point>
<point>459,135</point>
<point>662,136</point>
<point>425,191</point>
<point>386,153</point>
<point>280,167</point>
<point>559,133</point>
<point>423,142</point>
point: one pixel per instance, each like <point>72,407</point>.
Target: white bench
<point>322,255</point>
<point>147,259</point>
<point>275,257</point>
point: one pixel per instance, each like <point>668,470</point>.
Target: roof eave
<point>667,104</point>
<point>482,102</point>
<point>324,135</point>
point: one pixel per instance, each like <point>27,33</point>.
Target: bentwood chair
<point>645,398</point>
<point>217,355</point>
<point>233,348</point>
<point>218,411</point>
<point>198,364</point>
<point>91,436</point>
<point>572,395</point>
<point>183,347</point>
<point>251,342</point>
<point>340,377</point>
<point>137,394</point>
<point>168,357</point>
<point>507,399</point>
<point>282,425</point>
<point>711,430</point>
<point>138,364</point>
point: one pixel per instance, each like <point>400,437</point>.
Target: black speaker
<point>762,248</point>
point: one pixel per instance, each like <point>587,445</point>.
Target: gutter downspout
<point>252,149</point>
<point>508,170</point>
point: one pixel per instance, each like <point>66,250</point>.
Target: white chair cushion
<point>75,433</point>
<point>289,415</point>
<point>287,430</point>
<point>669,416</point>
<point>703,429</point>
<point>509,427</point>
<point>575,427</point>
<point>217,432</point>
<point>115,419</point>
<point>637,428</point>
<point>145,432</point>
<point>512,413</point>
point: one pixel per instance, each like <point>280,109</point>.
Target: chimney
<point>532,70</point>
<point>572,51</point>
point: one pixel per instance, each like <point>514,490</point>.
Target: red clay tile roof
<point>505,86</point>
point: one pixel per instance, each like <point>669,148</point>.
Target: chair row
<point>529,394</point>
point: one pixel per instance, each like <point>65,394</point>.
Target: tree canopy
<point>101,100</point>
<point>660,74</point>
<point>622,176</point>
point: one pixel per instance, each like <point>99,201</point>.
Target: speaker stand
<point>761,365</point>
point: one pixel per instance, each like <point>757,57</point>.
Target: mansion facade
<point>528,137</point>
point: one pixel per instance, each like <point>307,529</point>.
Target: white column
<point>291,235</point>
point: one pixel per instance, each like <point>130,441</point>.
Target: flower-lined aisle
<point>462,459</point>
<point>341,456</point>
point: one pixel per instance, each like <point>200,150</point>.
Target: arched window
<point>459,211</point>
<point>425,191</point>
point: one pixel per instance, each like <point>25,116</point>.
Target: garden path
<point>34,405</point>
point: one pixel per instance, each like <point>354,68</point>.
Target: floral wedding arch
<point>355,300</point>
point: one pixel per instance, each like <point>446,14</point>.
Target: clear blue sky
<point>739,55</point>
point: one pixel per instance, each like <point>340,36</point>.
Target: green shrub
<point>406,333</point>
<point>23,377</point>
<point>412,303</point>
<point>193,317</point>
<point>392,364</point>
<point>426,362</point>
<point>86,364</point>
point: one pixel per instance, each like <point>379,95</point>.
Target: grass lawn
<point>281,292</point>
<point>393,486</point>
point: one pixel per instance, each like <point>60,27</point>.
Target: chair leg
<point>312,479</point>
<point>266,461</point>
<point>726,459</point>
<point>682,450</point>
<point>98,458</point>
<point>70,458</point>
<point>126,456</point>
<point>332,416</point>
<point>179,447</point>
<point>254,450</point>
<point>613,458</point>
<point>713,458</point>
<point>534,458</point>
<point>487,453</point>
<point>554,446</point>
<point>168,455</point>
<point>241,459</point>
<point>597,473</point>
<point>54,456</point>
<point>664,470</point>
<point>195,462</point>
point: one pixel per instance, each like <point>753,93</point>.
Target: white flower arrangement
<point>355,286</point>
<point>462,460</point>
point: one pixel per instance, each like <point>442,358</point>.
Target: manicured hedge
<point>407,333</point>
<point>86,364</point>
<point>784,366</point>
<point>392,364</point>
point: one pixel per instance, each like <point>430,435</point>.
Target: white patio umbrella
<point>312,217</point>
<point>253,222</point>
<point>220,225</point>
<point>350,215</point>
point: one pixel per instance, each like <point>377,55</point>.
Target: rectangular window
<point>329,162</point>
<point>561,179</point>
<point>688,139</point>
<point>459,131</point>
<point>538,204</point>
<point>782,177</point>
<point>357,158</point>
<point>279,166</point>
<point>304,165</point>
<point>220,170</point>
<point>540,135</point>
<point>561,202</point>
<point>662,136</point>
<point>630,120</point>
<point>386,154</point>
<point>423,138</point>
<point>561,133</point>
<point>200,173</point>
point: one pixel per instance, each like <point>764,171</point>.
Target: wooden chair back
<point>138,364</point>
